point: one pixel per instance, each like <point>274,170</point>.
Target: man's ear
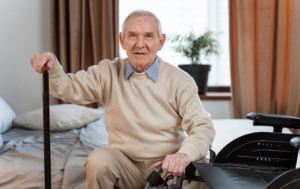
<point>121,41</point>
<point>162,41</point>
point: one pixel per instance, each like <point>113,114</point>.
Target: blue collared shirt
<point>152,71</point>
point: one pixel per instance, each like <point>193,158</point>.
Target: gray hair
<point>142,13</point>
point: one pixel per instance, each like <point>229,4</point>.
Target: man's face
<point>141,40</point>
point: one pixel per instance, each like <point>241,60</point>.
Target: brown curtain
<point>265,56</point>
<point>83,32</point>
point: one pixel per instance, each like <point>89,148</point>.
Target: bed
<point>21,156</point>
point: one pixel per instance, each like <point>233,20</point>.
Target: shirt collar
<point>152,71</point>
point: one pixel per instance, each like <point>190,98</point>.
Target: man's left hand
<point>174,164</point>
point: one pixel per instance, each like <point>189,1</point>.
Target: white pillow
<point>62,117</point>
<point>6,116</point>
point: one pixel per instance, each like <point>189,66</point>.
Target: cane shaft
<point>46,117</point>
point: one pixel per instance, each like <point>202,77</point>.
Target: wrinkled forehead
<point>138,22</point>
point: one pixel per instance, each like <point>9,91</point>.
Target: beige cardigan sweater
<point>144,119</point>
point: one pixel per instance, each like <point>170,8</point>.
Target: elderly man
<point>148,106</point>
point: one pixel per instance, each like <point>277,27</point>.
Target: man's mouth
<point>140,53</point>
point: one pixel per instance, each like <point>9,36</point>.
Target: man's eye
<point>148,35</point>
<point>132,35</point>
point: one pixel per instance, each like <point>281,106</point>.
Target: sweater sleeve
<point>81,88</point>
<point>196,122</point>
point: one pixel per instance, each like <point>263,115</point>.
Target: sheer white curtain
<point>218,21</point>
<point>181,17</point>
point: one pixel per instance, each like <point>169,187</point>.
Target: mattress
<point>22,156</point>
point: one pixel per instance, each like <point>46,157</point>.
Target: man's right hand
<point>39,60</point>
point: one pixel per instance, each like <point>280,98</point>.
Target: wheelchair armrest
<point>277,121</point>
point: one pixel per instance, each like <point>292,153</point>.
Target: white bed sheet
<point>90,138</point>
<point>22,156</point>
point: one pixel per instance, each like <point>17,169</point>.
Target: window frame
<point>218,89</point>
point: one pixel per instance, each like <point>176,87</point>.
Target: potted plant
<point>197,49</point>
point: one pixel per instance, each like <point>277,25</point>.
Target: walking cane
<point>46,118</point>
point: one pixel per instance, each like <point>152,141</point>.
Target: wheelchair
<point>260,160</point>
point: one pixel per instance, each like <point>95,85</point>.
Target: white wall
<point>24,31</point>
<point>219,109</point>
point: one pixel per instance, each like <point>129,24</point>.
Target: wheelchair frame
<point>261,160</point>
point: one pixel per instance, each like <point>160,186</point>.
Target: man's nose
<point>140,42</point>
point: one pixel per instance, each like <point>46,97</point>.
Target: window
<point>183,16</point>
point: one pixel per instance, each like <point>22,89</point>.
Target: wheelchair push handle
<point>154,177</point>
<point>158,170</point>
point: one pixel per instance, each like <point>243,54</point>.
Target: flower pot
<point>200,75</point>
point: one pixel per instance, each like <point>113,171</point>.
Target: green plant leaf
<point>196,48</point>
